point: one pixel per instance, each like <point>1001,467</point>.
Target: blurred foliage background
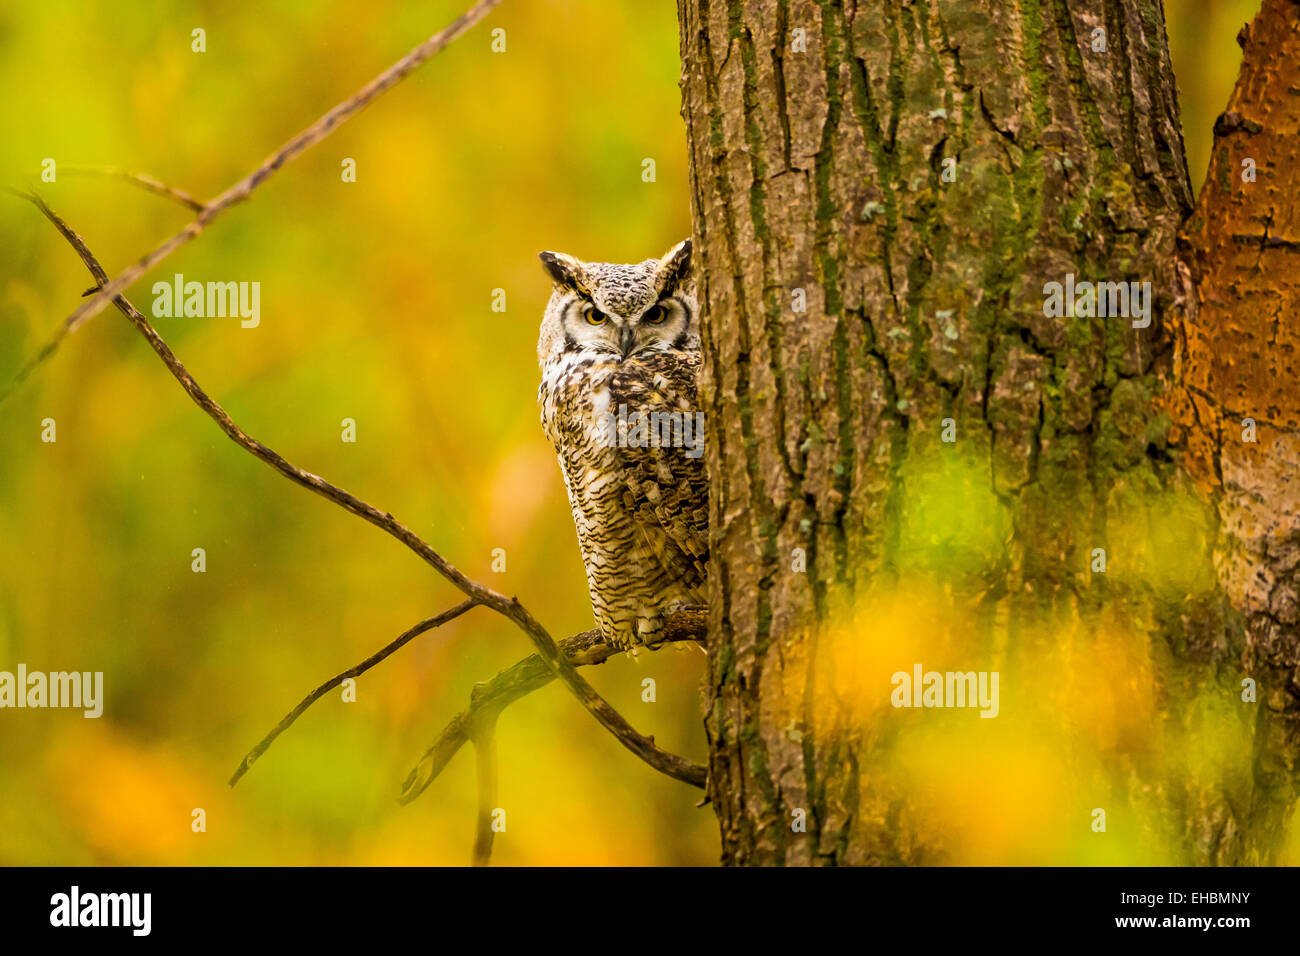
<point>376,305</point>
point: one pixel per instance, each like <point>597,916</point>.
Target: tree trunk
<point>915,460</point>
<point>1237,361</point>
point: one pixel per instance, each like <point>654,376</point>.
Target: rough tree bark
<point>855,299</point>
<point>1236,360</point>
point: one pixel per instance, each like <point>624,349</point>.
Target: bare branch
<point>488,699</point>
<point>405,638</point>
<point>237,193</point>
<point>687,623</point>
<point>143,180</point>
<point>612,720</point>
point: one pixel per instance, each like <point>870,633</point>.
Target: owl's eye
<point>595,316</point>
<point>655,316</point>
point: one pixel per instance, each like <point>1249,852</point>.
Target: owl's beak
<point>627,340</point>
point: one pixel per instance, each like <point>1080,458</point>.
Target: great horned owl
<point>619,351</point>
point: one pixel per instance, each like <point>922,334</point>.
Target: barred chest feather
<point>641,513</point>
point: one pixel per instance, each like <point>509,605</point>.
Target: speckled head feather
<point>647,304</point>
<point>617,288</point>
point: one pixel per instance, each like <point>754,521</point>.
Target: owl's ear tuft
<point>675,267</point>
<point>564,270</point>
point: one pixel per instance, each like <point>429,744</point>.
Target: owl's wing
<point>666,487</point>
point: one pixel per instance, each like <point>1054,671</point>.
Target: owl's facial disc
<point>590,329</point>
<point>661,326</point>
<point>587,328</point>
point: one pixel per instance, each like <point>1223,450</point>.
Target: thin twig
<point>491,697</point>
<point>485,752</point>
<point>143,180</point>
<point>237,193</point>
<point>609,718</point>
<point>356,671</point>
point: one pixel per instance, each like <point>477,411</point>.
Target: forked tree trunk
<point>913,458</point>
